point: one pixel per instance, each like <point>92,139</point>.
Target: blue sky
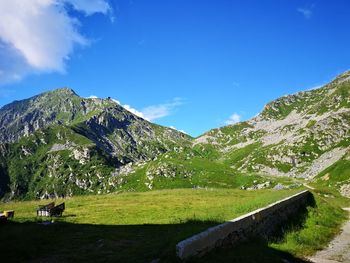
<point>191,64</point>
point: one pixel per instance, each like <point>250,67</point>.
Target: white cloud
<point>156,112</point>
<point>153,112</point>
<point>90,7</point>
<point>174,128</point>
<point>40,35</point>
<point>12,63</point>
<point>116,101</point>
<point>159,111</point>
<point>134,111</point>
<point>234,118</point>
<point>306,12</point>
<point>126,106</point>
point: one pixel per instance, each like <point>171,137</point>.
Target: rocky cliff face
<point>58,143</point>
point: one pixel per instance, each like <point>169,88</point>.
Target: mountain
<point>299,137</point>
<point>58,143</point>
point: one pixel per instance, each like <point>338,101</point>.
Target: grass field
<point>126,227</point>
<point>320,226</point>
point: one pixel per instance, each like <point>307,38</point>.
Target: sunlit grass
<point>150,223</point>
<point>155,207</point>
<point>322,224</point>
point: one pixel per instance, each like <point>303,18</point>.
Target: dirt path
<point>338,250</point>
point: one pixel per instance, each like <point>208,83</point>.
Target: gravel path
<point>338,250</point>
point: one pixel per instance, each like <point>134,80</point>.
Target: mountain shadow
<point>47,241</point>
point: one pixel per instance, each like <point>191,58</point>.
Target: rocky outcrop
<point>345,190</point>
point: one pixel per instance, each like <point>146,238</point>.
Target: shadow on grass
<point>293,222</point>
<point>67,242</point>
<point>254,251</point>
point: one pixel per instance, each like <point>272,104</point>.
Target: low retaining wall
<point>262,222</point>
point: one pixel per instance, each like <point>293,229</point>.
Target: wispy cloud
<point>153,112</point>
<point>90,7</point>
<point>40,35</point>
<point>134,111</point>
<point>125,106</point>
<point>234,118</point>
<point>161,110</point>
<point>174,128</point>
<point>306,12</point>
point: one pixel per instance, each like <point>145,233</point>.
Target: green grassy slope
<point>293,135</point>
<point>128,227</point>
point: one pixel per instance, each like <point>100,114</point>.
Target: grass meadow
<point>146,226</point>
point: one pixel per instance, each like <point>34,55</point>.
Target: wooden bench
<point>44,210</point>
<point>50,210</point>
<point>57,210</point>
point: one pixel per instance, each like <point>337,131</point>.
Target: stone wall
<point>262,222</point>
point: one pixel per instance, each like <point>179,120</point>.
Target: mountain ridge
<point>60,127</point>
<point>66,145</point>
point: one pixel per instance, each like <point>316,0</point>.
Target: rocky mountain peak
<point>60,143</point>
<point>63,91</point>
<point>59,106</point>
